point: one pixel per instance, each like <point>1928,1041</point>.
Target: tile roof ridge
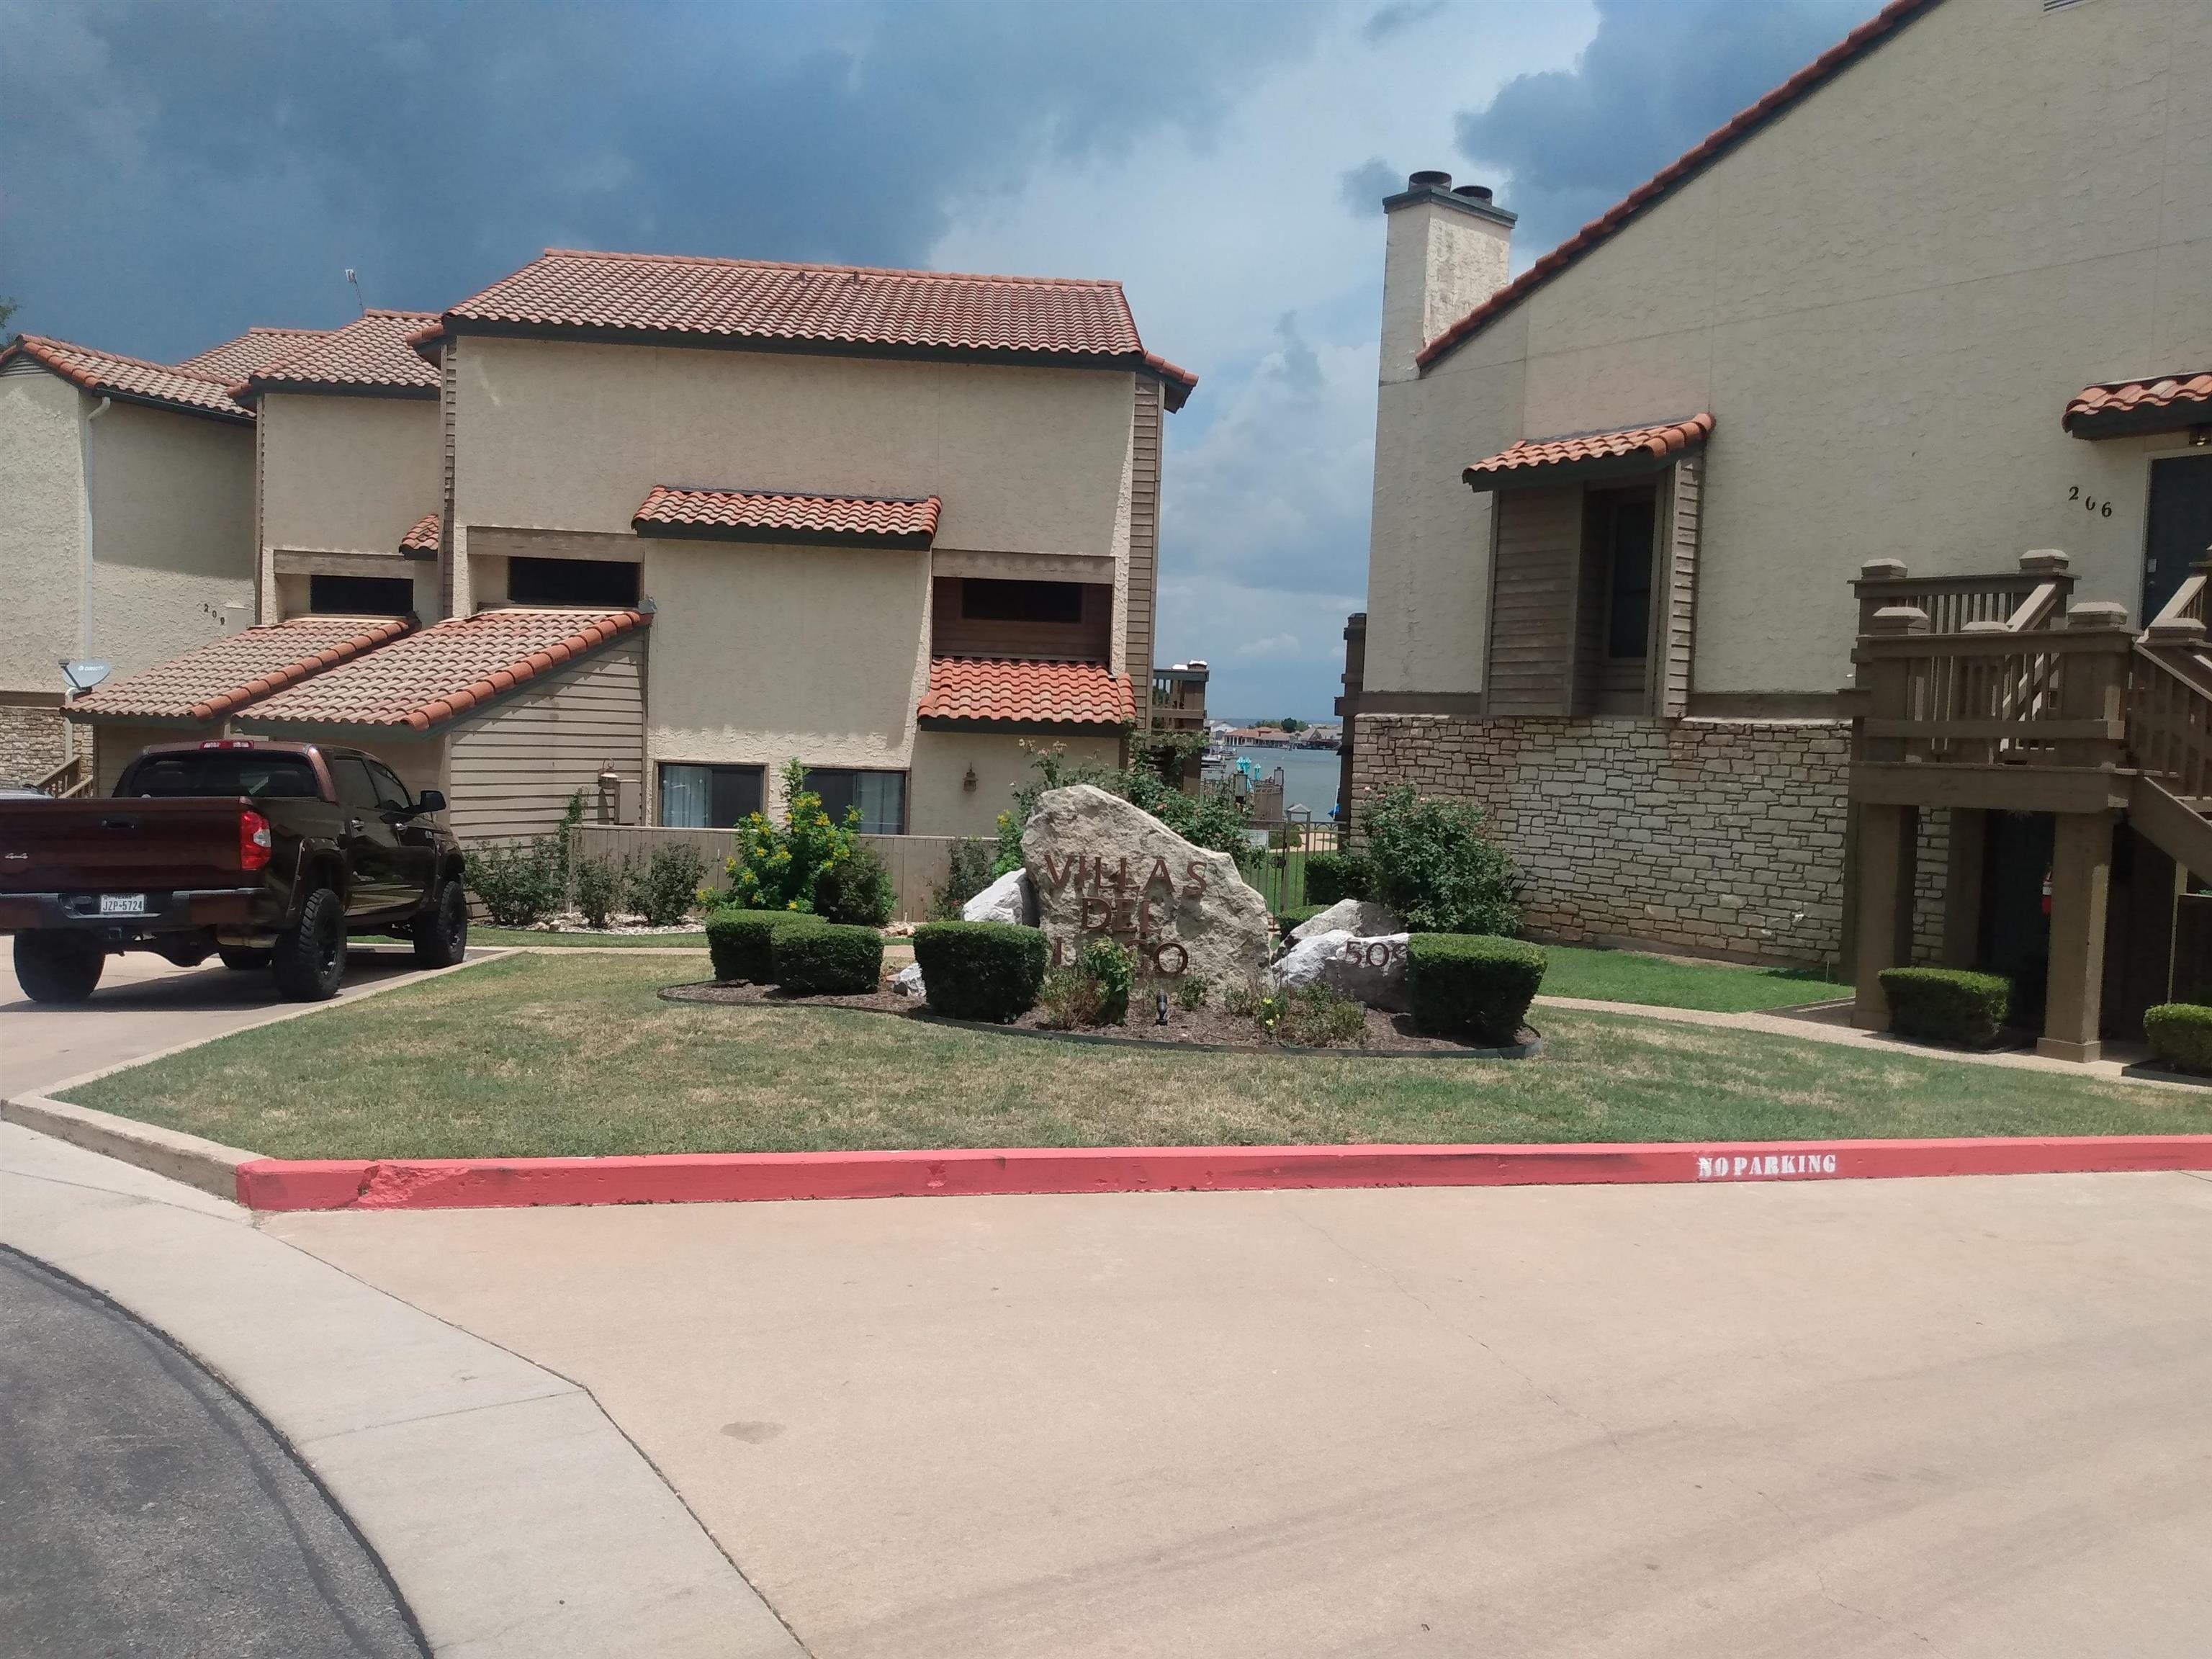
<point>791,495</point>
<point>31,342</point>
<point>1715,144</point>
<point>395,312</point>
<point>915,273</point>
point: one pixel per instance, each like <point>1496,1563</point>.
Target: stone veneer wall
<point>34,741</point>
<point>1710,836</point>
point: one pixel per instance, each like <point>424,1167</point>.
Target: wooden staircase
<point>1995,693</point>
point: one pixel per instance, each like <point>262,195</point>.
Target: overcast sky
<point>171,173</point>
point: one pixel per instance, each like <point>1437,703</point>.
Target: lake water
<point>1309,776</point>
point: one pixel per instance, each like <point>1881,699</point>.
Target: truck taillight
<point>254,844</point>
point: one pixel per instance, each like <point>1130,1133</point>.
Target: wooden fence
<point>918,864</point>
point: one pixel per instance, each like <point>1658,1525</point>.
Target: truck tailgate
<point>130,845</point>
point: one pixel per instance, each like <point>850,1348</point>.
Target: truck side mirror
<point>430,801</point>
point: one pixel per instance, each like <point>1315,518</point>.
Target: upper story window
<point>985,600</point>
<point>360,596</point>
<point>608,582</point>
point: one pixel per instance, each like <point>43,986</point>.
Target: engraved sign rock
<point>1100,867</point>
<point>1369,970</point>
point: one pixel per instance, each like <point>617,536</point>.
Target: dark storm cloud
<point>1653,81</point>
<point>1364,187</point>
<point>1387,21</point>
<point>171,173</point>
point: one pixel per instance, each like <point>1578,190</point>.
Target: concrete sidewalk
<point>1964,1416</point>
<point>515,1518</point>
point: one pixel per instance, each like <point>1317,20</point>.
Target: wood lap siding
<point>1675,593</point>
<point>1536,567</point>
<point>514,769</point>
<point>1144,543</point>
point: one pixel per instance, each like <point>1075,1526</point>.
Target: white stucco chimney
<point>1446,253</point>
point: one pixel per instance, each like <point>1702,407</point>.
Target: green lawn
<point>541,1055</point>
<point>1579,970</point>
<point>478,935</point>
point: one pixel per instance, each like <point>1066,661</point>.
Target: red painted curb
<point>737,1177</point>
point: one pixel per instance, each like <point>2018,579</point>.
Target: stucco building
<point>655,525</point>
<point>127,534</point>
<point>1943,299</point>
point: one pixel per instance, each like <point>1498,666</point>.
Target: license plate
<point>123,904</point>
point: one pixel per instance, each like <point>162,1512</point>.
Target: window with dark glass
<point>708,797</point>
<point>222,772</point>
<point>1628,596</point>
<point>881,797</point>
<point>360,596</point>
<point>609,582</point>
<point>983,599</point>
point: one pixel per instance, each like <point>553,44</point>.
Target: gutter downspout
<point>84,542</point>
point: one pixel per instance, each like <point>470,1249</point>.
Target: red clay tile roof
<point>1550,455</point>
<point>258,348</point>
<point>1876,30</point>
<point>421,540</point>
<point>2145,405</point>
<point>132,379</point>
<point>777,516</point>
<point>368,355</point>
<point>1026,693</point>
<point>1026,319</point>
<point>442,671</point>
<point>224,675</point>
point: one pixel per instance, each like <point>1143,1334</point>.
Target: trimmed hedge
<point>1947,1004</point>
<point>983,970</point>
<point>1471,984</point>
<point>741,942</point>
<point>828,960</point>
<point>2180,1035</point>
<point>1331,877</point>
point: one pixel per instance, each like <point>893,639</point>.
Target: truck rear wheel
<point>54,967</point>
<point>309,959</point>
<point>441,931</point>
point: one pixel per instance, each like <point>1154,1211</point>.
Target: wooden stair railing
<point>2033,597</point>
<point>71,778</point>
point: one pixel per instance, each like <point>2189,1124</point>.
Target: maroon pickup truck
<point>269,854</point>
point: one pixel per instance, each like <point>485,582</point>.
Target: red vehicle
<point>271,855</point>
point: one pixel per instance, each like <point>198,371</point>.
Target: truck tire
<point>441,931</point>
<point>55,967</point>
<point>243,958</point>
<point>309,960</point>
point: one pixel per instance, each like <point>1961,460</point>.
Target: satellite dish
<point>83,676</point>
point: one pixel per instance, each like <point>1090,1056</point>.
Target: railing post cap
<point>1882,570</point>
<point>2175,630</point>
<point>2097,613</point>
<point>1988,626</point>
<point>2044,561</point>
<point>1899,619</point>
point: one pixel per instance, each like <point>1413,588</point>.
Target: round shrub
<point>1434,868</point>
<point>983,970</point>
<point>1471,984</point>
<point>1947,1004</point>
<point>827,960</point>
<point>741,942</point>
<point>2180,1035</point>
<point>856,889</point>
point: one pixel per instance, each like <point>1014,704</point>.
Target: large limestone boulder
<point>1362,917</point>
<point>1007,899</point>
<point>1369,970</point>
<point>1100,867</point>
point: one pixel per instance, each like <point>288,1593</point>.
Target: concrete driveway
<point>1970,1417</point>
<point>145,1005</point>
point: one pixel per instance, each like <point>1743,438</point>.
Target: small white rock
<point>1007,899</point>
<point>1369,970</point>
<point>1362,917</point>
<point>908,981</point>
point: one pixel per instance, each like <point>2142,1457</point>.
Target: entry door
<point>2180,526</point>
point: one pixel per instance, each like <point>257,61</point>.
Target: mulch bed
<point>1207,1028</point>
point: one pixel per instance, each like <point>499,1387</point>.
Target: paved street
<point>1966,1416</point>
<point>143,1512</point>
